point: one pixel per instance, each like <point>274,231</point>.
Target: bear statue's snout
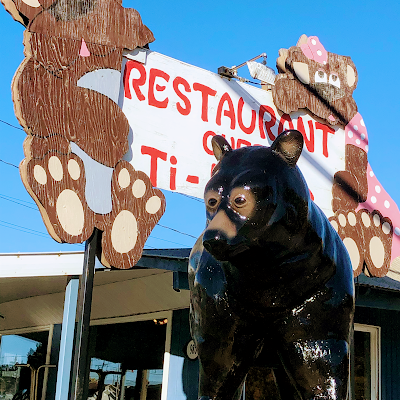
<point>216,243</point>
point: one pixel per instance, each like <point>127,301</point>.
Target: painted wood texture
<point>325,88</point>
<point>365,216</point>
<point>77,136</point>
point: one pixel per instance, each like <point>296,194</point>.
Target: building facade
<point>140,346</point>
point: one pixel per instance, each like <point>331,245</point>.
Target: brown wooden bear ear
<point>289,145</point>
<point>220,147</point>
<point>23,11</point>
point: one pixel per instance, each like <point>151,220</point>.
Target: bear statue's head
<point>256,197</point>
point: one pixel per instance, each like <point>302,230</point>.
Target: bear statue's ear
<point>220,147</point>
<point>289,145</point>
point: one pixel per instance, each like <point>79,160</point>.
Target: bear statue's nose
<point>216,243</point>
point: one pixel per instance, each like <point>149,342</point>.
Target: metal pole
<point>37,377</point>
<point>81,367</point>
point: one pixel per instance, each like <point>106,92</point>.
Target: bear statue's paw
<point>378,234</point>
<point>57,183</point>
<point>347,225</point>
<point>136,209</point>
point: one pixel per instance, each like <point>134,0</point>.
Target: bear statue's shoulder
<point>333,246</point>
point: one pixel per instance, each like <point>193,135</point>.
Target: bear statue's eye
<point>212,202</point>
<point>240,200</point>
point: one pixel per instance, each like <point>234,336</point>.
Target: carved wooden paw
<point>57,184</point>
<point>378,233</point>
<point>368,239</point>
<point>137,207</point>
<point>347,225</point>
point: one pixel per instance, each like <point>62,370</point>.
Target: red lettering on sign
<point>250,129</point>
<point>205,92</point>
<point>285,118</point>
<point>325,130</point>
<point>268,124</point>
<point>205,145</point>
<point>308,141</point>
<point>172,176</point>
<point>192,179</point>
<point>157,73</point>
<point>180,81</point>
<point>135,82</point>
<point>230,113</point>
<point>154,156</point>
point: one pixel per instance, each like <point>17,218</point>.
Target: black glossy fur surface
<point>270,279</point>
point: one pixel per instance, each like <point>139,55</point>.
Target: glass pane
<point>105,378</point>
<point>16,351</point>
<point>154,385</point>
<point>362,365</point>
<point>127,361</point>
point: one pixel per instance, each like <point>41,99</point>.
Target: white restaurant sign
<point>175,108</point>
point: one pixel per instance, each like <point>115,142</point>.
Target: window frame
<point>168,314</point>
<point>45,328</point>
<point>375,351</point>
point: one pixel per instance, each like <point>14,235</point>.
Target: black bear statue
<point>269,277</point>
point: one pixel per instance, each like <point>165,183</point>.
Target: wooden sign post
<point>81,364</point>
<point>77,137</point>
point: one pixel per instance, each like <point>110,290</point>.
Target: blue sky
<point>210,34</point>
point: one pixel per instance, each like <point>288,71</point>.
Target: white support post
<point>67,339</point>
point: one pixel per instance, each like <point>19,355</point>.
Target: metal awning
<point>37,301</point>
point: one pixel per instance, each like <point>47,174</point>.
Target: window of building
<point>127,360</point>
<point>366,363</point>
<point>22,375</point>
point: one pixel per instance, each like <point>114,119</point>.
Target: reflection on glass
<point>362,365</point>
<point>109,382</point>
<point>127,361</point>
<point>20,357</point>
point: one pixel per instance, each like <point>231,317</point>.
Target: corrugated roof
<point>385,283</point>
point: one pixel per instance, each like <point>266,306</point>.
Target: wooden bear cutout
<point>77,137</point>
<point>365,216</point>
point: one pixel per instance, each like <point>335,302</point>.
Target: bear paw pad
<point>137,207</point>
<point>58,185</point>
<point>378,234</point>
<point>346,224</point>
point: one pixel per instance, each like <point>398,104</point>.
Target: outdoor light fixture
<point>261,72</point>
<point>257,70</point>
<point>160,321</point>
